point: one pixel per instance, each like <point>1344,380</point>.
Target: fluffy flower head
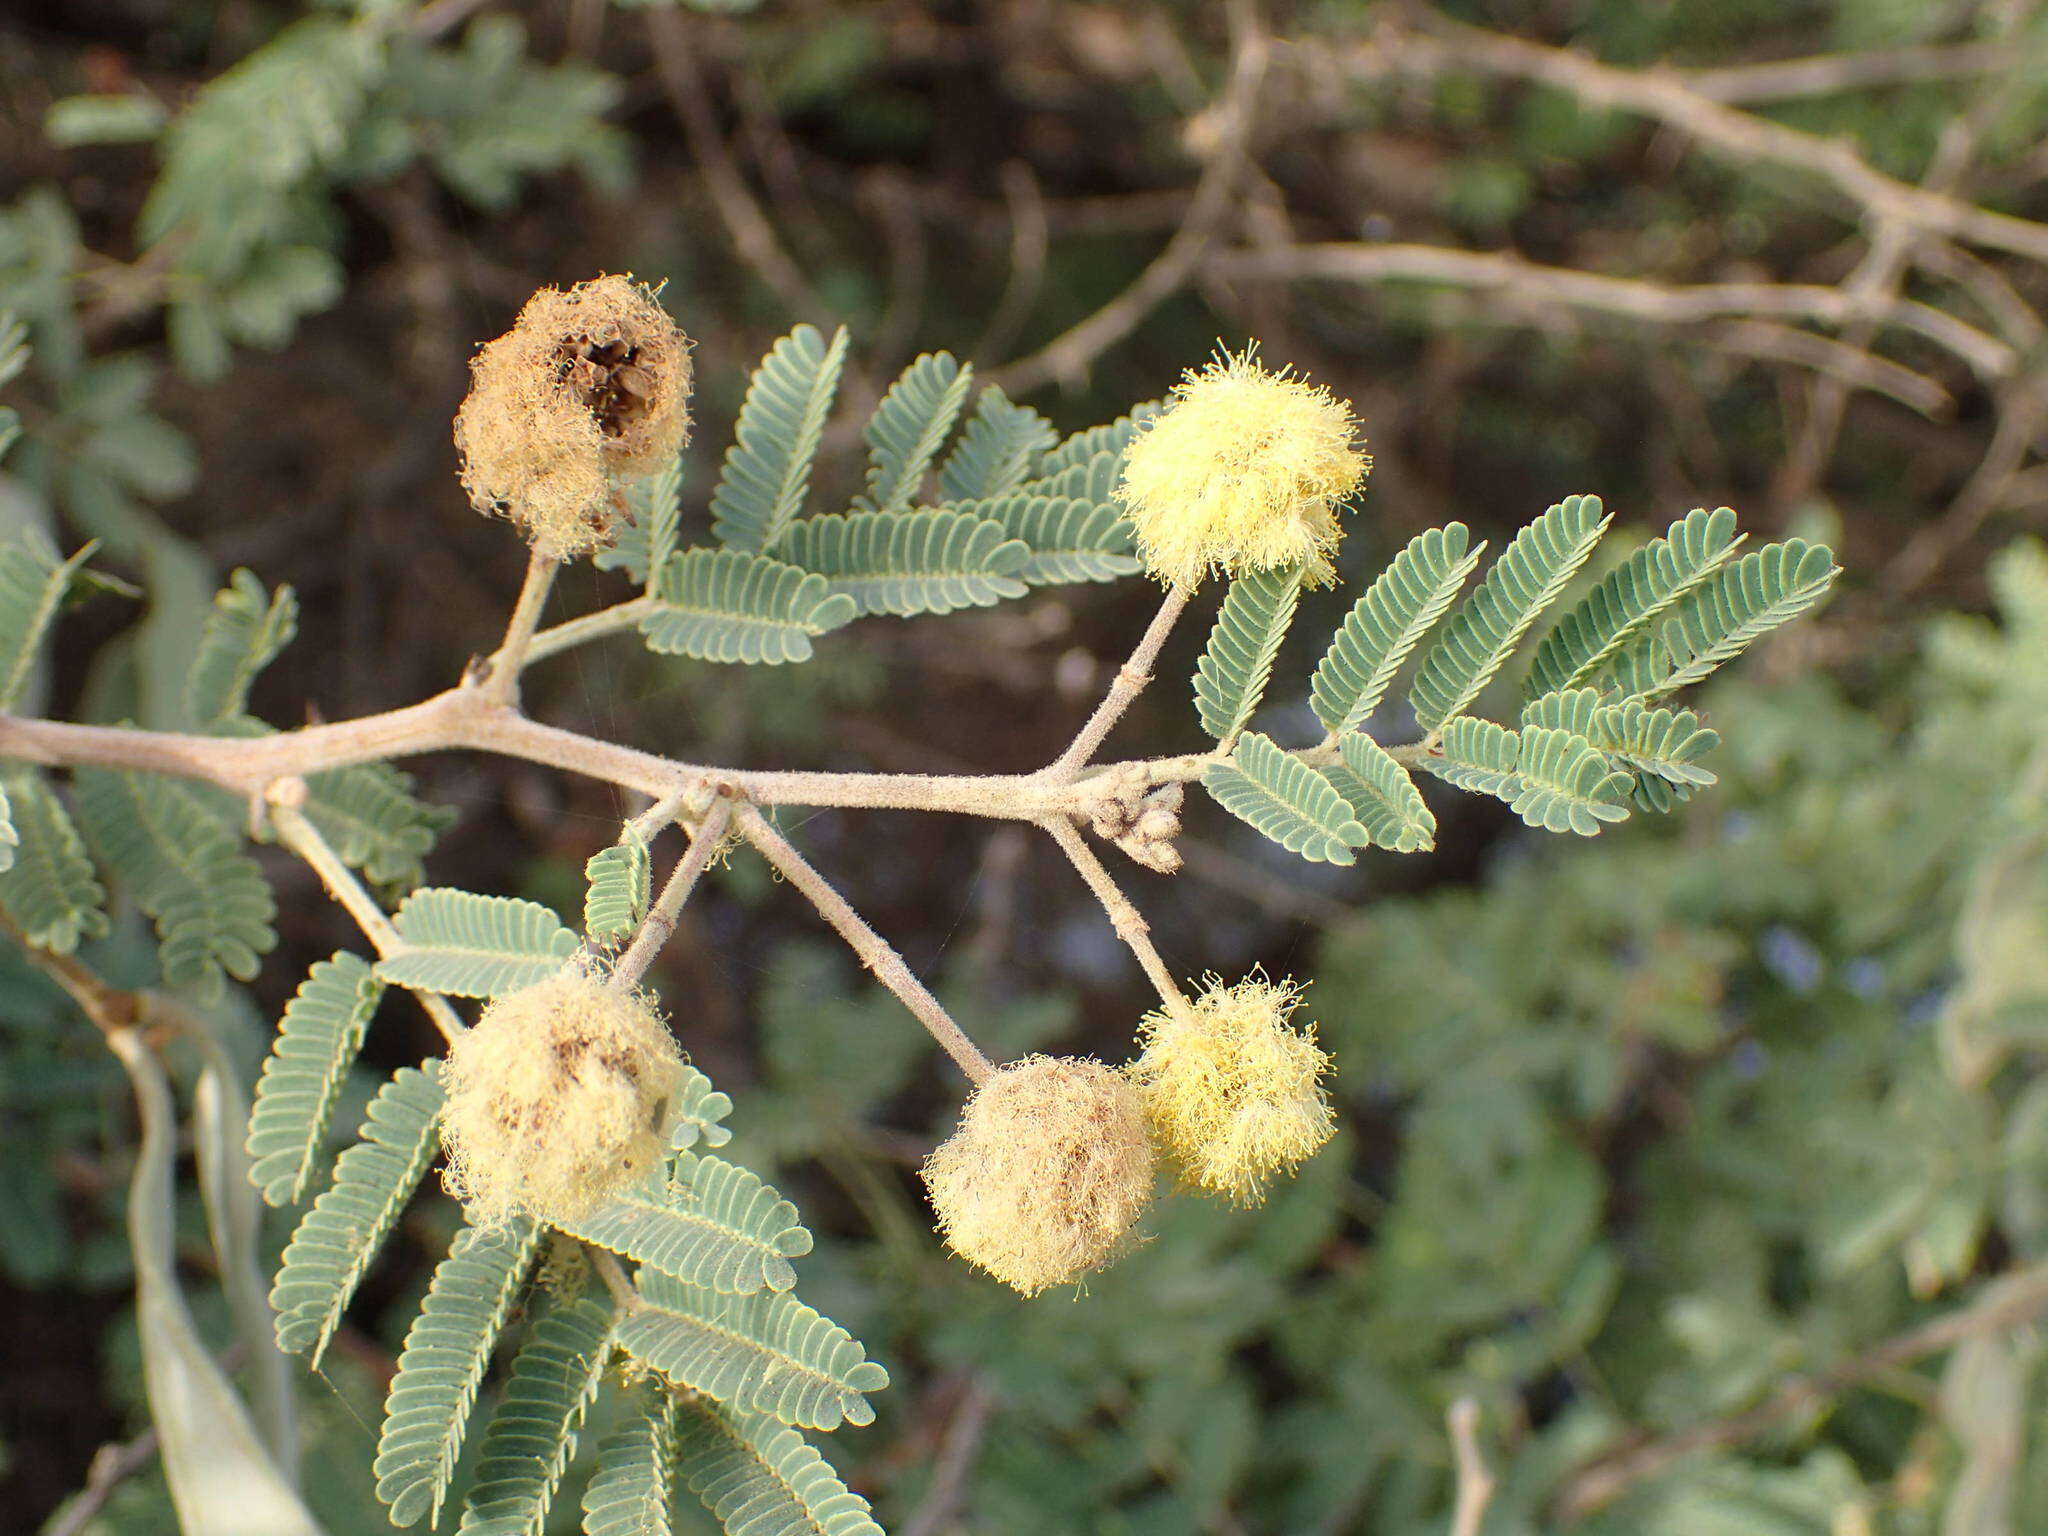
<point>561,1096</point>
<point>590,387</point>
<point>1242,471</point>
<point>1232,1091</point>
<point>1046,1173</point>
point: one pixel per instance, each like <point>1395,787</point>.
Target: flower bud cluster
<point>1142,819</point>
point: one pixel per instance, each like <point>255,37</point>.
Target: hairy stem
<point>874,951</point>
<point>1129,682</point>
<point>1475,1479</point>
<point>304,839</point>
<point>591,626</point>
<point>1127,920</point>
<point>660,921</point>
<point>501,681</point>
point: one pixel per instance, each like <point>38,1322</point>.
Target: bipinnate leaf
<point>447,1350</point>
<point>1070,538</point>
<point>1237,663</point>
<point>532,1432</point>
<point>720,1227</point>
<point>766,1352</point>
<point>1552,778</point>
<point>338,1238</point>
<point>1723,617</point>
<point>761,1478</point>
<point>49,891</point>
<point>728,606</point>
<point>474,946</point>
<point>908,563</point>
<point>317,1040</point>
<point>1484,631</point>
<point>767,471</point>
<point>998,449</point>
<point>209,900</point>
<point>1287,800</point>
<point>908,427</point>
<point>243,633</point>
<point>633,1489</point>
<point>1629,598</point>
<point>1382,796</point>
<point>33,586</point>
<point>1401,606</point>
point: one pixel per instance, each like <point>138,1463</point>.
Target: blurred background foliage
<point>1709,1160</point>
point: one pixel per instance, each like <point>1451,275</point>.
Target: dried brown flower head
<point>590,387</point>
<point>1050,1167</point>
<point>560,1097</point>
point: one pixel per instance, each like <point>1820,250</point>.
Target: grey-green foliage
<point>761,1478</point>
<point>782,422</point>
<point>316,1044</point>
<point>475,946</point>
<point>1585,754</point>
<point>338,1239</point>
<point>910,426</point>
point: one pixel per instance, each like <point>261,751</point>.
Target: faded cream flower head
<point>562,1096</point>
<point>1243,471</point>
<point>589,389</point>
<point>1233,1092</point>
<point>1048,1170</point>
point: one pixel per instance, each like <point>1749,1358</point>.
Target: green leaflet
<point>1237,663</point>
<point>243,633</point>
<point>998,449</point>
<point>726,605</point>
<point>532,1433</point>
<point>762,1478</point>
<point>475,946</point>
<point>1488,625</point>
<point>904,434</point>
<point>368,812</point>
<point>643,543</point>
<point>908,563</point>
<point>49,891</point>
<point>317,1040</point>
<point>1478,755</point>
<point>1382,796</point>
<point>699,1109</point>
<point>1398,609</point>
<point>1665,743</point>
<point>339,1237</point>
<point>1552,778</point>
<point>632,1491</point>
<point>1106,442</point>
<point>1287,800</point>
<point>33,585</point>
<point>1628,598</point>
<point>446,1353</point>
<point>721,1227</point>
<point>1070,538</point>
<point>767,1352</point>
<point>221,1477</point>
<point>617,896</point>
<point>210,902</point>
<point>767,471</point>
<point>1720,620</point>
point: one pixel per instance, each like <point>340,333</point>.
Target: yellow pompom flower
<point>1048,1170</point>
<point>1243,471</point>
<point>1233,1092</point>
<point>561,1097</point>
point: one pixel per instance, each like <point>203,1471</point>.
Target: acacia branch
<point>1126,919</point>
<point>1129,682</point>
<point>2005,1303</point>
<point>875,952</point>
<point>660,921</point>
<point>1433,44</point>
